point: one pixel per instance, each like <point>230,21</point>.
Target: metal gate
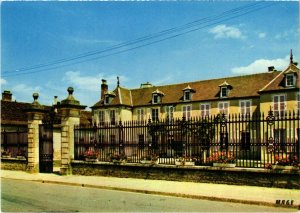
<point>46,148</point>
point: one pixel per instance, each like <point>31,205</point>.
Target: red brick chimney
<point>6,95</point>
<point>104,88</point>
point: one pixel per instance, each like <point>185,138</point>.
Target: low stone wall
<point>234,176</point>
<point>13,164</point>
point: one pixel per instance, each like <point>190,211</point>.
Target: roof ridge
<point>207,80</point>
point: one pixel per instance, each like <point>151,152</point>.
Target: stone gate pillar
<point>35,115</point>
<point>70,116</point>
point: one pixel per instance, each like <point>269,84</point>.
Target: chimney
<point>6,95</point>
<point>146,85</point>
<point>55,101</point>
<point>271,69</point>
<point>104,88</point>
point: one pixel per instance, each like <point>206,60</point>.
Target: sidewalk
<point>219,192</point>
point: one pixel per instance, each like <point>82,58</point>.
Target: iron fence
<point>14,143</point>
<point>253,140</point>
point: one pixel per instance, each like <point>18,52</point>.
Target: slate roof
<point>13,113</point>
<point>278,83</point>
<point>207,90</point>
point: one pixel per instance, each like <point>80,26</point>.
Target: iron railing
<point>254,140</point>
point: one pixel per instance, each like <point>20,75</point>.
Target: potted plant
<point>222,159</point>
<point>5,154</point>
<point>150,159</point>
<point>286,162</point>
<point>21,154</point>
<point>185,161</point>
<point>91,155</point>
<point>118,158</point>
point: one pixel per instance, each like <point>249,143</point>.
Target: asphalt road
<point>28,196</point>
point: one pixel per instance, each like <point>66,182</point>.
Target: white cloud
<point>223,31</point>
<point>90,83</point>
<point>2,81</point>
<point>261,35</point>
<point>23,92</point>
<point>261,65</point>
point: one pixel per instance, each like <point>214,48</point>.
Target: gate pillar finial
<point>69,109</point>
<point>35,113</point>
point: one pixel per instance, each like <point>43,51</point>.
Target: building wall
<point>266,101</point>
<point>56,144</point>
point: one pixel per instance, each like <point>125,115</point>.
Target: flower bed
<point>222,159</point>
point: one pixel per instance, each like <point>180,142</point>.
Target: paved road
<point>25,196</point>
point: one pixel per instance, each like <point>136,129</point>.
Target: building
<point>248,94</point>
<point>14,124</point>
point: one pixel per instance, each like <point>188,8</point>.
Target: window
<point>224,140</point>
<point>101,117</point>
<point>154,115</point>
<point>141,141</point>
<point>223,92</point>
<point>245,107</point>
<point>298,103</point>
<point>280,139</point>
<point>113,140</point>
<point>223,108</point>
<point>170,112</point>
<point>106,99</point>
<point>187,95</point>
<point>245,140</point>
<point>140,114</point>
<point>155,99</point>
<point>290,80</point>
<point>205,110</point>
<point>279,105</point>
<point>112,115</point>
<point>186,112</point>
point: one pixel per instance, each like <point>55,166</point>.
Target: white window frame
<point>279,111</point>
<point>140,114</point>
<point>187,111</point>
<point>222,108</point>
<point>155,118</point>
<point>298,102</point>
<point>205,112</point>
<point>184,95</point>
<point>242,111</point>
<point>286,80</point>
<point>112,117</point>
<point>153,98</point>
<point>101,117</point>
<point>106,99</point>
<point>170,112</point>
<point>221,93</point>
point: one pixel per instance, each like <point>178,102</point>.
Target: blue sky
<point>248,39</point>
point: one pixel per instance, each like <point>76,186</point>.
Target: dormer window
<point>156,99</point>
<point>157,96</point>
<point>224,89</point>
<point>108,97</point>
<point>187,93</point>
<point>290,80</point>
<point>223,92</point>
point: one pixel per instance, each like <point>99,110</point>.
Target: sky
<point>48,46</point>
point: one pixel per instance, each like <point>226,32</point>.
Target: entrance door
<point>46,148</point>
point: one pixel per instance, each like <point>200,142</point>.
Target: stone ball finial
<point>35,96</point>
<point>70,90</point>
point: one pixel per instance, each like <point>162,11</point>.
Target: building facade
<point>248,94</point>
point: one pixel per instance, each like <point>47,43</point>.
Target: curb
<point>199,197</point>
